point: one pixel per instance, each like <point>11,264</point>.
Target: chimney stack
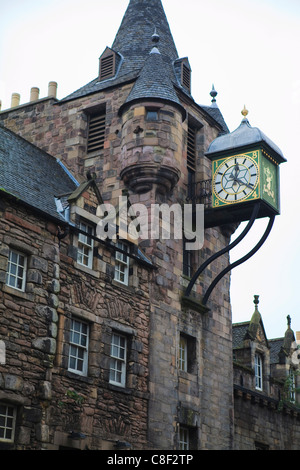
<point>15,100</point>
<point>52,89</point>
<point>34,94</point>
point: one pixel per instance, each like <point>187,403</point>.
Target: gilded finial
<point>245,112</point>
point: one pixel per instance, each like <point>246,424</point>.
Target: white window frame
<point>184,438</point>
<point>292,386</point>
<point>20,268</point>
<point>78,347</point>
<point>8,415</point>
<point>258,366</point>
<point>122,264</point>
<point>118,359</point>
<point>85,245</point>
<point>183,354</point>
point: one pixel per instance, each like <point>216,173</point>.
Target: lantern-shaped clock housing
<point>245,170</point>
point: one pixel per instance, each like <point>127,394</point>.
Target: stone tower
<point>137,127</point>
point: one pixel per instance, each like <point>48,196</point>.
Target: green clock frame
<point>245,177</point>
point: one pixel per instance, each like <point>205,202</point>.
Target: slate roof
<point>154,81</point>
<point>244,135</point>
<point>275,348</point>
<point>31,175</point>
<point>133,43</point>
<point>239,331</point>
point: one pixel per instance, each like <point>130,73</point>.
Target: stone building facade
<point>101,348</point>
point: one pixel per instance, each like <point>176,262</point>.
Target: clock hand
<point>235,172</point>
<point>245,184</point>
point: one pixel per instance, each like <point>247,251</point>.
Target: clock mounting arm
<point>249,225</point>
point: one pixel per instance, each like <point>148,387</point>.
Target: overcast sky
<point>249,49</point>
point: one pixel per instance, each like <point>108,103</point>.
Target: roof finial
<point>256,300</point>
<point>155,37</point>
<point>289,321</point>
<point>245,112</point>
<point>213,94</point>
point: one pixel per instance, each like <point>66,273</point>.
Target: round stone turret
<point>152,119</point>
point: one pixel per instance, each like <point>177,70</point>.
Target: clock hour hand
<point>235,171</point>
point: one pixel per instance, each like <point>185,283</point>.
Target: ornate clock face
<point>235,179</point>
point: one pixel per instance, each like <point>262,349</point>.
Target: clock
<point>235,179</point>
<point>245,171</point>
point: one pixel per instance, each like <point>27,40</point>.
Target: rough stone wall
<point>201,400</point>
<point>262,426</point>
<point>35,328</point>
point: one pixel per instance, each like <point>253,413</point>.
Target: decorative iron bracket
<point>254,215</point>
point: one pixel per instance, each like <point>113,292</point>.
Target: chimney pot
<point>52,89</point>
<point>15,100</point>
<point>34,94</point>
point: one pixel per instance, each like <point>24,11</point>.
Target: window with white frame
<point>7,422</point>
<point>183,353</point>
<point>16,270</point>
<point>85,245</point>
<point>118,355</point>
<point>122,264</point>
<point>292,386</point>
<point>258,372</point>
<point>78,347</point>
<point>187,353</point>
<point>184,438</point>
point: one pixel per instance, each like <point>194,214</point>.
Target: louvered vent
<point>186,77</point>
<point>107,67</point>
<point>191,148</point>
<point>96,133</point>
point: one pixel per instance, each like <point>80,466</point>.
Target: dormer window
<point>183,73</point>
<point>186,75</point>
<point>109,62</point>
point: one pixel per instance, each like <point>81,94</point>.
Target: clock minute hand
<point>245,184</point>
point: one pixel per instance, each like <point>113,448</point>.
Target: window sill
<point>119,388</point>
<point>79,377</point>
<point>186,375</point>
<point>87,270</point>
<point>124,286</point>
<point>17,293</point>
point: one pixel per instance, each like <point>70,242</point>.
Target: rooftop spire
<point>135,34</point>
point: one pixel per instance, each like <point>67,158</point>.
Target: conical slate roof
<point>133,40</point>
<point>154,82</point>
<point>133,44</point>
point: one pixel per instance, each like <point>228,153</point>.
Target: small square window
<point>7,422</point>
<point>78,347</point>
<point>118,354</point>
<point>16,270</point>
<point>122,264</point>
<point>85,245</point>
<point>152,115</point>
